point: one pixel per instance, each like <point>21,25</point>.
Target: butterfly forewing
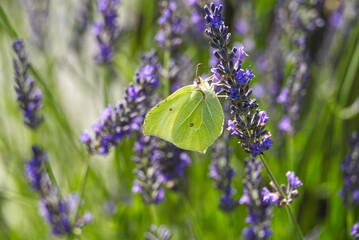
<point>198,125</point>
<point>187,119</point>
<point>160,119</point>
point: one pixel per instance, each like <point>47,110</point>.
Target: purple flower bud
<point>242,26</point>
<point>285,124</point>
<point>263,117</point>
<point>293,181</point>
<point>269,197</point>
<point>283,96</point>
<point>355,230</point>
<point>87,217</point>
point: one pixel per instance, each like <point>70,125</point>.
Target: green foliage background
<point>72,84</point>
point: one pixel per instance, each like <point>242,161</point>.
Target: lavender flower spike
<point>171,26</point>
<point>290,191</point>
<point>222,174</point>
<point>106,31</point>
<point>117,122</point>
<point>350,169</point>
<point>248,123</point>
<point>56,210</point>
<point>259,213</point>
<point>29,97</point>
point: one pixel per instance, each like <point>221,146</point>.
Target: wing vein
<point>189,114</point>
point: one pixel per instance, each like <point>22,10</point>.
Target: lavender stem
<point>106,84</point>
<point>294,221</point>
<point>290,151</point>
<point>154,214</point>
<point>166,82</point>
<point>350,219</point>
<point>231,225</point>
<point>287,207</point>
<point>83,185</point>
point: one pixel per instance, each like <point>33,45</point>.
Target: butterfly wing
<point>160,119</point>
<point>199,122</point>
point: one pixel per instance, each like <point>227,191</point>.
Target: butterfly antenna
<point>197,78</point>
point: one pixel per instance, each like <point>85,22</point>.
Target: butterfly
<point>191,118</point>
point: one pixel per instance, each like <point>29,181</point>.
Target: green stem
<point>7,24</point>
<point>231,225</point>
<point>83,185</point>
<point>287,207</point>
<point>290,151</point>
<point>166,82</point>
<point>271,176</point>
<point>349,77</point>
<point>294,221</point>
<point>350,219</point>
<point>106,86</point>
<point>154,214</point>
<point>189,211</point>
<point>51,175</point>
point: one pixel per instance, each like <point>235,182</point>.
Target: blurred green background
<point>72,83</point>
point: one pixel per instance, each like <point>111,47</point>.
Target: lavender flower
<point>106,31</point>
<point>222,173</point>
<point>29,97</point>
<point>350,169</point>
<point>158,164</point>
<point>355,231</point>
<point>82,22</point>
<point>56,210</point>
<point>38,14</point>
<point>294,22</point>
<point>290,191</point>
<point>196,15</point>
<point>149,182</point>
<point>162,233</point>
<point>259,213</point>
<point>171,26</point>
<point>247,124</point>
<point>122,120</point>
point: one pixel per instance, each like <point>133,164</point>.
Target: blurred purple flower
<point>259,212</point>
<point>258,90</point>
<point>117,122</point>
<point>285,124</point>
<point>172,27</point>
<point>242,26</point>
<point>56,210</point>
<point>28,96</point>
<point>336,18</point>
<point>222,174</point>
<point>355,231</point>
<point>106,31</point>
